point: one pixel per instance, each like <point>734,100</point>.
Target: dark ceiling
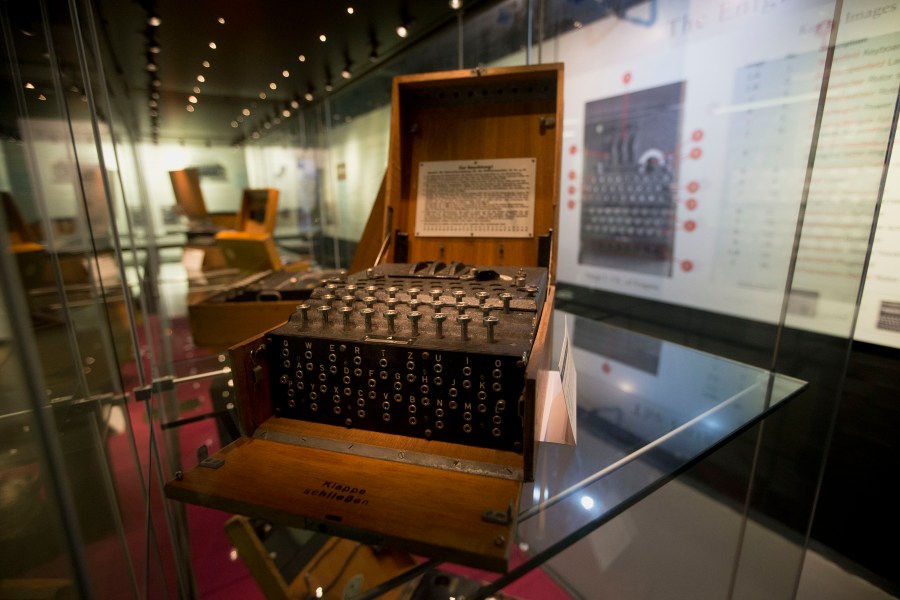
<point>256,43</point>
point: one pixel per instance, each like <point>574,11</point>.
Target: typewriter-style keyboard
<point>627,211</point>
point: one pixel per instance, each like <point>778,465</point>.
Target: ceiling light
<point>156,82</point>
<point>154,48</point>
<point>240,119</point>
<point>221,20</point>
<point>262,95</point>
<point>267,125</point>
<point>151,66</point>
<point>349,10</point>
<point>294,104</point>
<point>276,121</point>
<point>42,97</point>
<point>153,113</point>
<point>29,86</point>
<point>285,113</point>
<point>190,108</point>
<point>328,87</point>
<point>154,95</point>
<point>153,20</point>
<point>302,58</point>
<point>234,124</point>
<point>273,86</point>
<point>192,99</point>
<point>402,31</point>
<point>212,45</point>
<point>246,112</point>
<point>196,89</point>
<point>205,63</point>
<point>322,38</point>
<point>455,4</point>
<point>201,78</point>
<point>346,74</point>
<point>255,135</point>
<point>308,96</point>
<point>285,73</point>
<point>152,103</point>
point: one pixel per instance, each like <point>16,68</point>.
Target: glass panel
<point>33,543</point>
<point>646,409</point>
<point>64,179</point>
<point>689,135</point>
<point>848,168</point>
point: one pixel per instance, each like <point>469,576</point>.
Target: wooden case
<point>446,501</point>
<point>218,322</point>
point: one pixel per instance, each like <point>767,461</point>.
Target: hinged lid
<point>473,168</point>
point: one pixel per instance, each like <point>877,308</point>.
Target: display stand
<point>631,441</point>
<point>338,568</point>
<point>431,498</point>
<point>499,128</point>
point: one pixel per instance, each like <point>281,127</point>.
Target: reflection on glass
<point>646,409</point>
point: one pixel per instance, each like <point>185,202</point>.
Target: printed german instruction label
<point>476,198</point>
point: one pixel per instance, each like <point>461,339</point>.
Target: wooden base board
<point>399,448</point>
<point>422,510</point>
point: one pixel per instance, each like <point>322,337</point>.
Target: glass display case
<point>727,204</point>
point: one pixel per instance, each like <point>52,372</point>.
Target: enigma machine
<point>255,303</point>
<point>430,350</point>
<point>397,405</point>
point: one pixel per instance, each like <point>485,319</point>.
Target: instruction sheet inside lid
<point>477,198</point>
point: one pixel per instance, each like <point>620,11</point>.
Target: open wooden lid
<point>473,168</point>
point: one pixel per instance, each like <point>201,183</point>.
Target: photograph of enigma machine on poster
<point>630,170</point>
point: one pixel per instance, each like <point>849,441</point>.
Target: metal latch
<point>498,516</point>
<point>205,460</point>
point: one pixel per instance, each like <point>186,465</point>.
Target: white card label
<point>568,376</point>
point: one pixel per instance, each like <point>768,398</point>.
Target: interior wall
<point>357,158</point>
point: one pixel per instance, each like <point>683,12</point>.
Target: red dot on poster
<point>697,135</point>
<point>691,203</point>
<point>690,225</point>
<point>696,153</point>
<point>573,149</point>
<point>572,189</point>
<point>573,175</point>
<point>606,368</point>
<point>571,205</point>
<point>693,186</point>
<point>626,78</point>
<point>687,266</point>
